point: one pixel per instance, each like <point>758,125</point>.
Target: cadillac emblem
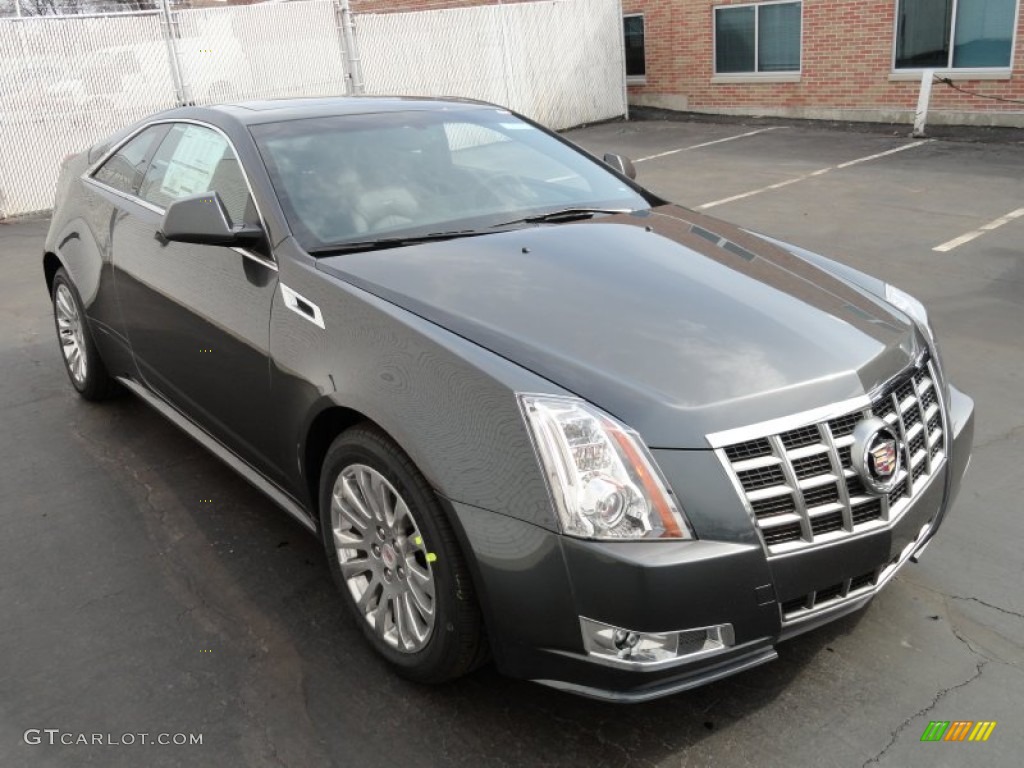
<point>876,455</point>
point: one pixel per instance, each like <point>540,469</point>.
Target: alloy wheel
<point>72,337</point>
<point>383,558</point>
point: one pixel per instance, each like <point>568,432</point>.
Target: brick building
<point>828,59</point>
<point>832,59</point>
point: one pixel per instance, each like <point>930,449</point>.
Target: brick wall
<point>846,68</point>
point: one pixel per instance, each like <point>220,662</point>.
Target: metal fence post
<point>348,31</point>
<point>169,27</point>
<point>625,78</point>
<point>506,54</point>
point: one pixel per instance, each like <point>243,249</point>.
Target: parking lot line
<point>811,175</point>
<point>967,237</point>
<point>705,144</point>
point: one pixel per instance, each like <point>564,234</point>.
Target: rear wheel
<point>81,359</point>
<point>396,560</point>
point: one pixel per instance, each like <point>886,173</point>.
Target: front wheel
<point>396,560</point>
<point>81,358</point>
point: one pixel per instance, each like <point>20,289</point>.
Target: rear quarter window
<point>123,170</point>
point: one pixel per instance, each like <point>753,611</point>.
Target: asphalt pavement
<point>146,589</point>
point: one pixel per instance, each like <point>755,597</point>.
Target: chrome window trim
<point>88,176</point>
<point>123,195</point>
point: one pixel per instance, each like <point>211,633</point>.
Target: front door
<point>197,316</point>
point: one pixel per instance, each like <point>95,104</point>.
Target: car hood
<point>678,324</point>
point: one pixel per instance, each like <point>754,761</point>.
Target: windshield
<point>397,174</point>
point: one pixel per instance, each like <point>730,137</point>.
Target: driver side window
<point>194,159</point>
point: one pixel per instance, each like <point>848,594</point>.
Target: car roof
<point>246,113</point>
<point>277,110</point>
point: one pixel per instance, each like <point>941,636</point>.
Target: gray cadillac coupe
<point>534,412</point>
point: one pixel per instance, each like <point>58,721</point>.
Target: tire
<point>364,474</point>
<point>82,360</point>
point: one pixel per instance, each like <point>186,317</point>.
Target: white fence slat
<point>68,81</point>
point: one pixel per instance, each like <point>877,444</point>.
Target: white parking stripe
<point>704,144</point>
<point>966,238</point>
<point>811,175</point>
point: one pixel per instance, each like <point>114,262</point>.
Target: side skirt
<point>223,453</point>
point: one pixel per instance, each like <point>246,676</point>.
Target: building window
<point>636,62</point>
<point>948,34</point>
<point>760,38</point>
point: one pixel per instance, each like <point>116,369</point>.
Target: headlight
<point>604,481</point>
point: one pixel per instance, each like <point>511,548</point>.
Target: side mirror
<point>203,219</point>
<point>621,164</point>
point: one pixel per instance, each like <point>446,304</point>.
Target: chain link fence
<point>67,80</point>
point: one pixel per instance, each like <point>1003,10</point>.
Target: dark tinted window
<point>983,33</point>
<point>734,39</point>
<point>757,38</point>
<point>123,169</point>
<point>194,159</point>
<point>636,66</point>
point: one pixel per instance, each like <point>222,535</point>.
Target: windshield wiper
<point>383,243</point>
<point>564,214</point>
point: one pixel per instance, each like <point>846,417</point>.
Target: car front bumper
<point>536,586</point>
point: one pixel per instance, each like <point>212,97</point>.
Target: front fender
<point>447,402</point>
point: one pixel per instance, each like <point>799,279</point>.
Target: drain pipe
<point>924,96</point>
<point>348,30</point>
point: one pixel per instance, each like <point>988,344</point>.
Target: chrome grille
<point>809,466</point>
<point>800,485</point>
<point>848,590</point>
<point>762,477</point>
<point>798,438</point>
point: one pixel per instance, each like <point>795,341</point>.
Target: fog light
<point>625,646</point>
<point>624,640</point>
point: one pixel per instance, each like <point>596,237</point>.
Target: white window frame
<point>914,73</point>
<point>635,79</point>
<point>788,75</point>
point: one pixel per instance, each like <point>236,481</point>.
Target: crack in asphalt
<point>594,733</point>
<point>935,700</point>
<point>264,729</point>
<point>968,599</point>
<point>994,607</point>
<point>94,600</point>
